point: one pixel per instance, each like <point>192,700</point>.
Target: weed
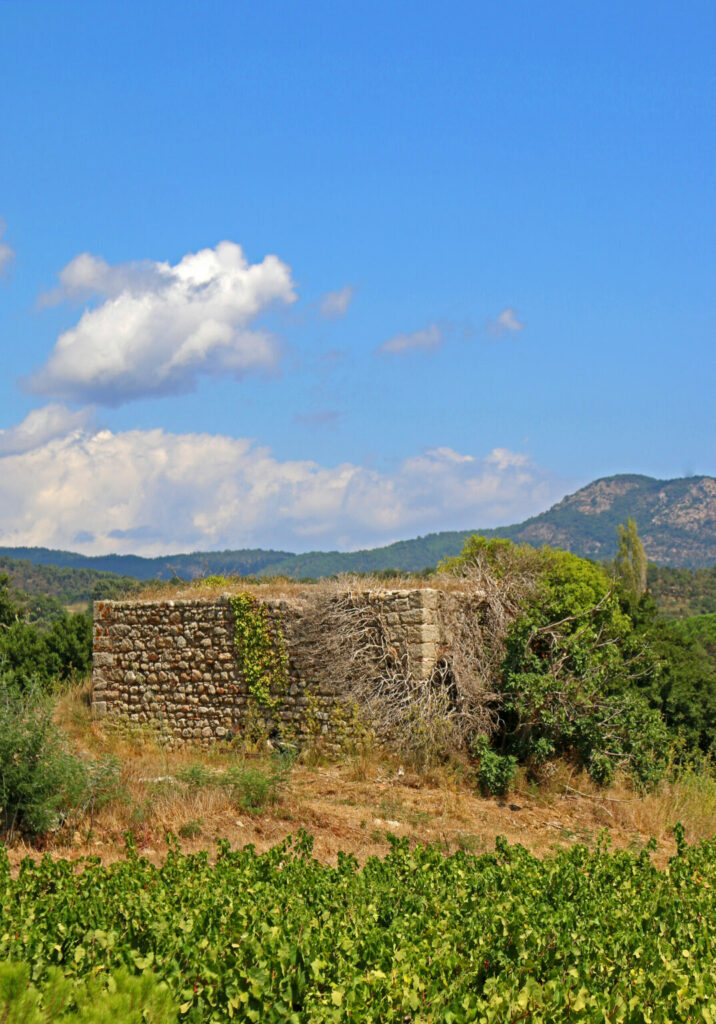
<point>418,818</point>
<point>142,812</point>
<point>251,788</point>
<point>196,776</point>
<point>469,843</point>
<point>191,829</point>
<point>391,808</point>
<point>104,784</point>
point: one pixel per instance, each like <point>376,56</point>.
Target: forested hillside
<point>676,521</point>
<point>246,562</point>
<point>65,585</point>
<point>680,592</point>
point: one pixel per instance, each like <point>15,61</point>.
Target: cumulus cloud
<point>7,255</point>
<point>155,328</point>
<point>87,276</point>
<point>335,304</point>
<point>506,323</point>
<point>152,492</point>
<point>41,426</point>
<point>429,338</point>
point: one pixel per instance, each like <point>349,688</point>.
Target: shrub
<point>253,789</point>
<point>40,781</point>
<point>570,666</point>
<point>196,776</point>
<point>103,784</point>
<point>495,772</point>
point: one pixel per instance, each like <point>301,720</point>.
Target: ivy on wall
<point>261,652</point>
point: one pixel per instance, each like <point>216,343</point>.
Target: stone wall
<point>174,664</point>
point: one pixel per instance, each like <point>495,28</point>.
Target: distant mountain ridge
<point>676,521</point>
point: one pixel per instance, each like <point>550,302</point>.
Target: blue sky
<point>490,273</point>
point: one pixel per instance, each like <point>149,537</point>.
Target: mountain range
<point>676,521</point>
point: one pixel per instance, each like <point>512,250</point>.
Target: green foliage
<point>569,677</point>
<point>495,772</point>
<point>64,586</point>
<point>8,609</point>
<point>682,592</point>
<point>120,998</point>
<point>29,655</point>
<point>500,554</point>
<point>684,686</point>
<point>197,776</point>
<point>40,781</point>
<point>40,610</point>
<point>251,787</point>
<point>701,629</point>
<point>566,685</point>
<point>191,829</point>
<point>261,651</point>
<point>585,936</point>
<point>103,784</point>
<point>215,581</point>
<point>630,563</point>
<point>63,651</point>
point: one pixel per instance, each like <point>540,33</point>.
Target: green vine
<point>262,655</point>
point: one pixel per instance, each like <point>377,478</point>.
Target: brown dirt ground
<point>352,807</point>
<point>354,803</point>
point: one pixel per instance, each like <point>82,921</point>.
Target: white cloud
<point>333,305</point>
<point>153,492</point>
<point>506,323</point>
<point>7,255</point>
<point>156,328</point>
<point>429,338</point>
<point>503,458</point>
<point>87,276</point>
<point>41,426</point>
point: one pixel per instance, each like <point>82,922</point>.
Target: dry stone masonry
<point>173,664</point>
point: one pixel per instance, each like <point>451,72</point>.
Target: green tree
<point>569,677</point>
<point>8,609</point>
<point>30,656</point>
<point>566,684</point>
<point>683,685</point>
<point>630,563</point>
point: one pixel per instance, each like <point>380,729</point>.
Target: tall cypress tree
<point>630,562</point>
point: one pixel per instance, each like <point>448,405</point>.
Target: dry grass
<point>283,587</point>
<point>355,803</point>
